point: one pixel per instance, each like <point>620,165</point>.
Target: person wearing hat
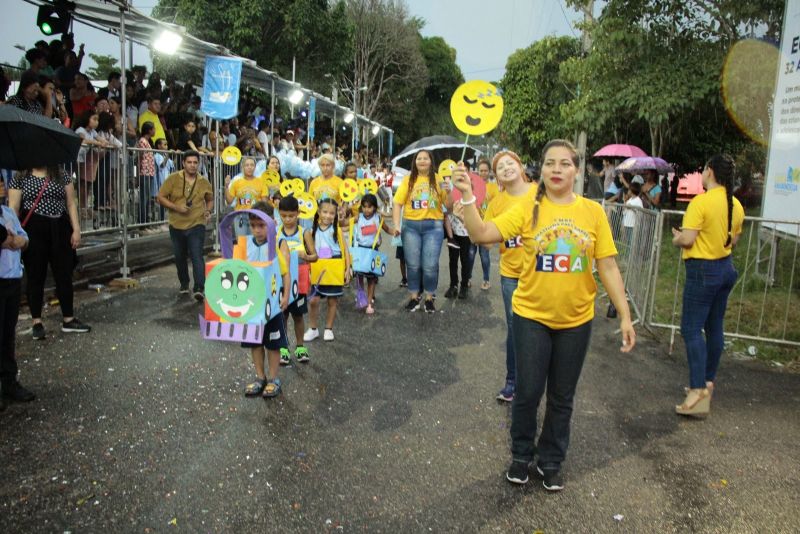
<point>27,94</point>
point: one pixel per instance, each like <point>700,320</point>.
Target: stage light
<point>376,129</point>
<point>168,42</point>
<point>296,96</point>
<point>55,18</point>
<point>348,118</point>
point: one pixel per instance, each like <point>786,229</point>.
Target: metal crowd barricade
<point>764,304</point>
<point>635,236</point>
<point>97,180</point>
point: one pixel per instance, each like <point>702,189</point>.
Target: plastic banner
<point>312,117</point>
<point>221,87</point>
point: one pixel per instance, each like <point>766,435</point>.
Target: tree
<point>316,33</point>
<point>103,66</point>
<point>387,67</point>
<point>534,93</point>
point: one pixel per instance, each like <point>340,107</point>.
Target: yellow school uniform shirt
<point>421,203</point>
<point>708,214</point>
<point>512,254</point>
<point>491,191</point>
<point>247,192</point>
<point>321,187</point>
<point>556,286</point>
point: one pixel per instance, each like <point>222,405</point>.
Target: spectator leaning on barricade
<point>147,169</point>
<point>189,198</point>
<point>44,198</point>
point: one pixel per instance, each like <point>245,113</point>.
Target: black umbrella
<point>28,140</point>
<point>442,146</point>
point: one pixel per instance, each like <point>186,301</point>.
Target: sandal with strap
<point>254,389</point>
<point>273,388</point>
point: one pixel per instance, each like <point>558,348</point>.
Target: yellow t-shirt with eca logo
<point>421,202</point>
<point>322,187</point>
<point>248,191</point>
<point>708,214</point>
<point>512,254</point>
<point>491,191</point>
<point>556,286</point>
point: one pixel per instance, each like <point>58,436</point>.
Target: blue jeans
<point>552,358</point>
<point>189,243</point>
<point>486,262</point>
<point>705,297</point>
<point>507,287</point>
<point>422,246</point>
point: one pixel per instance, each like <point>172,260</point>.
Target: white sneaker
<point>328,335</point>
<point>311,334</point>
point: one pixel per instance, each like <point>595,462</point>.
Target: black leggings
<point>49,242</point>
<point>462,253</point>
<point>9,313</point>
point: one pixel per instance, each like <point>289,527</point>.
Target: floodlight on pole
<point>349,117</point>
<point>168,42</point>
<point>296,96</point>
<point>376,129</point>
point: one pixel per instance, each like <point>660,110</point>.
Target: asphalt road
<point>141,426</point>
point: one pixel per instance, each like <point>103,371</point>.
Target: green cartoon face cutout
<point>236,291</point>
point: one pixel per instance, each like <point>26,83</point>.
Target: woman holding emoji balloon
<point>553,304</point>
<point>421,199</point>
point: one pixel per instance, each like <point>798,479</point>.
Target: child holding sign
<point>329,283</point>
<point>268,385</point>
<point>367,234</point>
<point>298,239</point>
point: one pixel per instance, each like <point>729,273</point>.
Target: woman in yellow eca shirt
<point>711,226</point>
<point>510,173</point>
<point>421,201</point>
<point>244,193</point>
<point>491,191</point>
<point>553,304</point>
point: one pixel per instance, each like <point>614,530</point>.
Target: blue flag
<point>312,117</point>
<point>391,143</point>
<point>221,87</point>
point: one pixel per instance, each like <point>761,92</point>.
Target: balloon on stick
<point>476,108</point>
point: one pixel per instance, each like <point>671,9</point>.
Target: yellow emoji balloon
<point>367,185</point>
<point>348,191</point>
<point>446,168</point>
<point>298,185</point>
<point>231,155</point>
<point>306,206</point>
<point>287,188</point>
<point>476,107</point>
<point>272,178</point>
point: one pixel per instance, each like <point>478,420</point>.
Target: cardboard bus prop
<point>241,295</point>
<point>367,260</point>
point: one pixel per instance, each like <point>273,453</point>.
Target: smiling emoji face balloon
<point>367,185</point>
<point>272,178</point>
<point>231,155</point>
<point>306,206</point>
<point>348,191</point>
<point>476,107</point>
<point>446,168</point>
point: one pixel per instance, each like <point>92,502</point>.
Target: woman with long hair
<point>710,229</point>
<point>553,305</point>
<point>45,201</point>
<point>421,200</point>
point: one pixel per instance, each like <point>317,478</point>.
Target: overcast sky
<point>502,27</point>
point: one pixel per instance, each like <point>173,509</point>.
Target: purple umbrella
<point>619,151</point>
<point>643,164</point>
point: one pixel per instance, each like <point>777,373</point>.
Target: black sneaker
<point>463,292</point>
<point>518,472</point>
<point>16,392</point>
<point>38,331</point>
<point>451,293</point>
<point>553,481</point>
<point>413,305</point>
<point>452,244</point>
<point>183,291</point>
<point>403,283</point>
<point>429,307</point>
<point>199,296</point>
<point>75,327</point>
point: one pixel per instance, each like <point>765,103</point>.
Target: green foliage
<point>533,94</point>
<point>103,66</point>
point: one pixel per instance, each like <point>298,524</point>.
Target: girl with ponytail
<point>561,235</point>
<point>711,226</point>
